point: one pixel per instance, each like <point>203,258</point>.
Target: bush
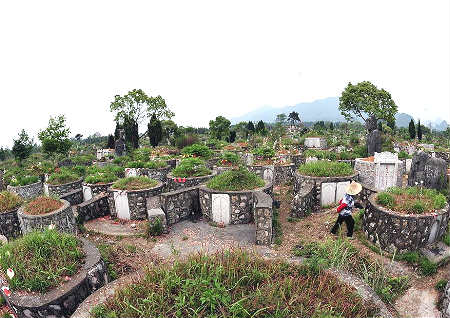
<point>9,201</point>
<point>134,183</point>
<point>361,151</point>
<point>63,176</point>
<point>42,205</point>
<point>83,159</point>
<point>265,152</point>
<point>197,150</point>
<point>326,169</point>
<point>228,159</point>
<point>142,154</point>
<point>236,180</point>
<point>404,155</point>
<point>191,167</point>
<point>186,140</point>
<point>41,260</point>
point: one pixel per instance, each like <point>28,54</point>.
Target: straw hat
<point>354,188</point>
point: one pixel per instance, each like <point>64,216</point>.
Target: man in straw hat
<point>346,205</point>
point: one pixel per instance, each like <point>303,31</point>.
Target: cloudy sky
<point>209,58</point>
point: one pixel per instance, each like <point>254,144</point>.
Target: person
<point>346,205</point>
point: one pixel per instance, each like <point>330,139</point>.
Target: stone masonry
<point>9,224</point>
<point>29,191</point>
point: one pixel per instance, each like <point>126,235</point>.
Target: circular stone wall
<point>28,191</point>
<point>176,183</point>
<point>61,189</point>
<point>90,190</point>
<point>63,219</point>
<point>9,224</point>
<point>132,204</point>
<point>63,301</point>
<point>403,232</point>
<point>156,174</point>
<point>265,172</point>
<point>229,207</point>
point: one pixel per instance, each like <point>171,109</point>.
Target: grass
<point>23,180</point>
<point>100,177</point>
<point>264,152</point>
<point>343,255</point>
<point>191,167</point>
<point>41,260</point>
<point>9,201</point>
<point>234,284</point>
<point>427,267</point>
<point>197,150</point>
<point>277,228</point>
<point>63,176</point>
<point>42,205</point>
<point>154,164</point>
<point>412,200</point>
<point>236,180</point>
<point>154,228</point>
<point>228,159</point>
<point>134,183</point>
<point>326,169</point>
<point>330,155</point>
<point>107,252</point>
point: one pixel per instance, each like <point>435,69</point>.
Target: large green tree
<point>366,101</point>
<point>294,117</point>
<point>412,129</point>
<point>219,128</point>
<point>155,131</point>
<point>55,138</point>
<point>23,146</point>
<point>419,131</point>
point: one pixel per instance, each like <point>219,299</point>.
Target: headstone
<point>221,208</point>
<point>328,193</point>
<point>386,167</point>
<point>268,175</point>
<point>121,204</point>
<point>428,172</point>
<point>374,142</point>
<point>87,193</point>
<point>341,189</point>
<point>249,159</point>
<point>120,147</point>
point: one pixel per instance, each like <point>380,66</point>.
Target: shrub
<point>9,201</point>
<point>265,152</point>
<point>154,228</point>
<point>236,180</point>
<point>134,183</point>
<point>361,151</point>
<point>326,169</point>
<point>385,199</point>
<point>63,176</point>
<point>42,205</point>
<point>121,161</point>
<point>440,285</point>
<point>228,159</point>
<point>186,140</point>
<point>41,260</point>
<point>80,171</point>
<point>404,155</point>
<point>191,167</point>
<point>197,150</point>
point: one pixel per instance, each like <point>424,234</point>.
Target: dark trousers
<point>348,219</point>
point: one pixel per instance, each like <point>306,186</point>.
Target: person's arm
<point>341,206</point>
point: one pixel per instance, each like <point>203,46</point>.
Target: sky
<point>210,58</point>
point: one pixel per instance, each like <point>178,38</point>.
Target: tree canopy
<point>55,138</point>
<point>23,146</point>
<point>219,128</point>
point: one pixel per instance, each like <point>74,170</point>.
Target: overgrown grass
<point>100,177</point>
<point>9,201</point>
<point>134,183</point>
<point>108,255</point>
<point>415,200</point>
<point>42,205</point>
<point>63,176</point>
<point>330,155</point>
<point>343,255</point>
<point>426,266</point>
<point>326,169</point>
<point>191,167</point>
<point>153,164</point>
<point>41,260</point>
<point>236,180</point>
<point>197,150</point>
<point>228,159</point>
<point>23,180</point>
<point>234,284</point>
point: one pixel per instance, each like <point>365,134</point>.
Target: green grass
<point>9,201</point>
<point>326,169</point>
<point>426,267</point>
<point>234,284</point>
<point>63,176</point>
<point>277,228</point>
<point>100,177</point>
<point>191,167</point>
<point>23,180</point>
<point>228,159</point>
<point>236,180</point>
<point>107,252</point>
<point>440,285</point>
<point>197,150</point>
<point>330,155</point>
<point>154,164</point>
<point>134,183</point>
<point>40,260</point>
<point>264,152</point>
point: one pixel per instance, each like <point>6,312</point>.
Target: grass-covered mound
<point>326,169</point>
<point>42,205</point>
<point>23,180</point>
<point>236,180</point>
<point>134,183</point>
<point>153,164</point>
<point>9,201</point>
<point>41,260</point>
<point>330,155</point>
<point>191,167</point>
<point>100,178</point>
<point>197,150</point>
<point>412,200</point>
<point>234,284</point>
<point>63,176</point>
<point>228,159</point>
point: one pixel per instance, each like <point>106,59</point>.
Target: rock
<point>428,172</point>
<point>374,142</point>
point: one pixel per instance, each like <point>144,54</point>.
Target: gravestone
<point>120,147</point>
<point>87,193</point>
<point>131,172</point>
<point>328,193</point>
<point>121,204</point>
<point>268,175</point>
<point>428,172</point>
<point>386,169</point>
<point>248,159</point>
<point>221,208</point>
<point>341,189</point>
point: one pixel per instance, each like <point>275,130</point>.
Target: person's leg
<point>338,223</point>
<point>350,224</point>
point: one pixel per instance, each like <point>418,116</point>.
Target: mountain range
<point>322,109</point>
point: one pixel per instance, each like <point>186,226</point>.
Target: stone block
<point>328,193</point>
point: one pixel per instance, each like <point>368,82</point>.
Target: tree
<point>131,130</point>
<point>366,101</point>
<point>155,131</point>
<point>260,127</point>
<point>412,129</point>
<point>331,126</point>
<point>55,138</point>
<point>4,153</point>
<point>232,137</point>
<point>281,119</point>
<point>380,126</point>
<point>250,127</point>
<point>116,131</point>
<point>219,128</point>
<point>111,142</point>
<point>419,130</point>
<point>170,131</point>
<point>294,117</point>
<point>23,147</point>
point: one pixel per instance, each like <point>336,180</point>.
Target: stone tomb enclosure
<point>29,191</point>
<point>61,189</point>
<point>316,142</point>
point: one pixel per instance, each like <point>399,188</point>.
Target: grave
<point>315,142</point>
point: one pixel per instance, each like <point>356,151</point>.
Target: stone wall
<point>73,197</point>
<point>63,219</point>
<point>305,202</point>
<point>98,187</point>
<point>365,194</point>
<point>445,304</point>
<point>283,174</point>
<point>366,170</point>
<point>173,183</point>
<point>443,155</point>
<point>94,208</point>
<point>156,174</point>
<point>263,213</point>
<point>61,189</point>
<point>403,233</point>
<point>9,224</point>
<point>178,205</point>
<point>62,302</point>
<point>265,172</point>
<point>29,191</point>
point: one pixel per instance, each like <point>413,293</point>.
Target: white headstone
<point>268,175</point>
<point>87,193</point>
<point>434,231</point>
<point>328,193</point>
<point>341,189</point>
<point>121,204</point>
<point>221,208</point>
<point>385,157</point>
<point>385,176</point>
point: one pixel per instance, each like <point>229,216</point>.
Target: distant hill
<point>322,109</point>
